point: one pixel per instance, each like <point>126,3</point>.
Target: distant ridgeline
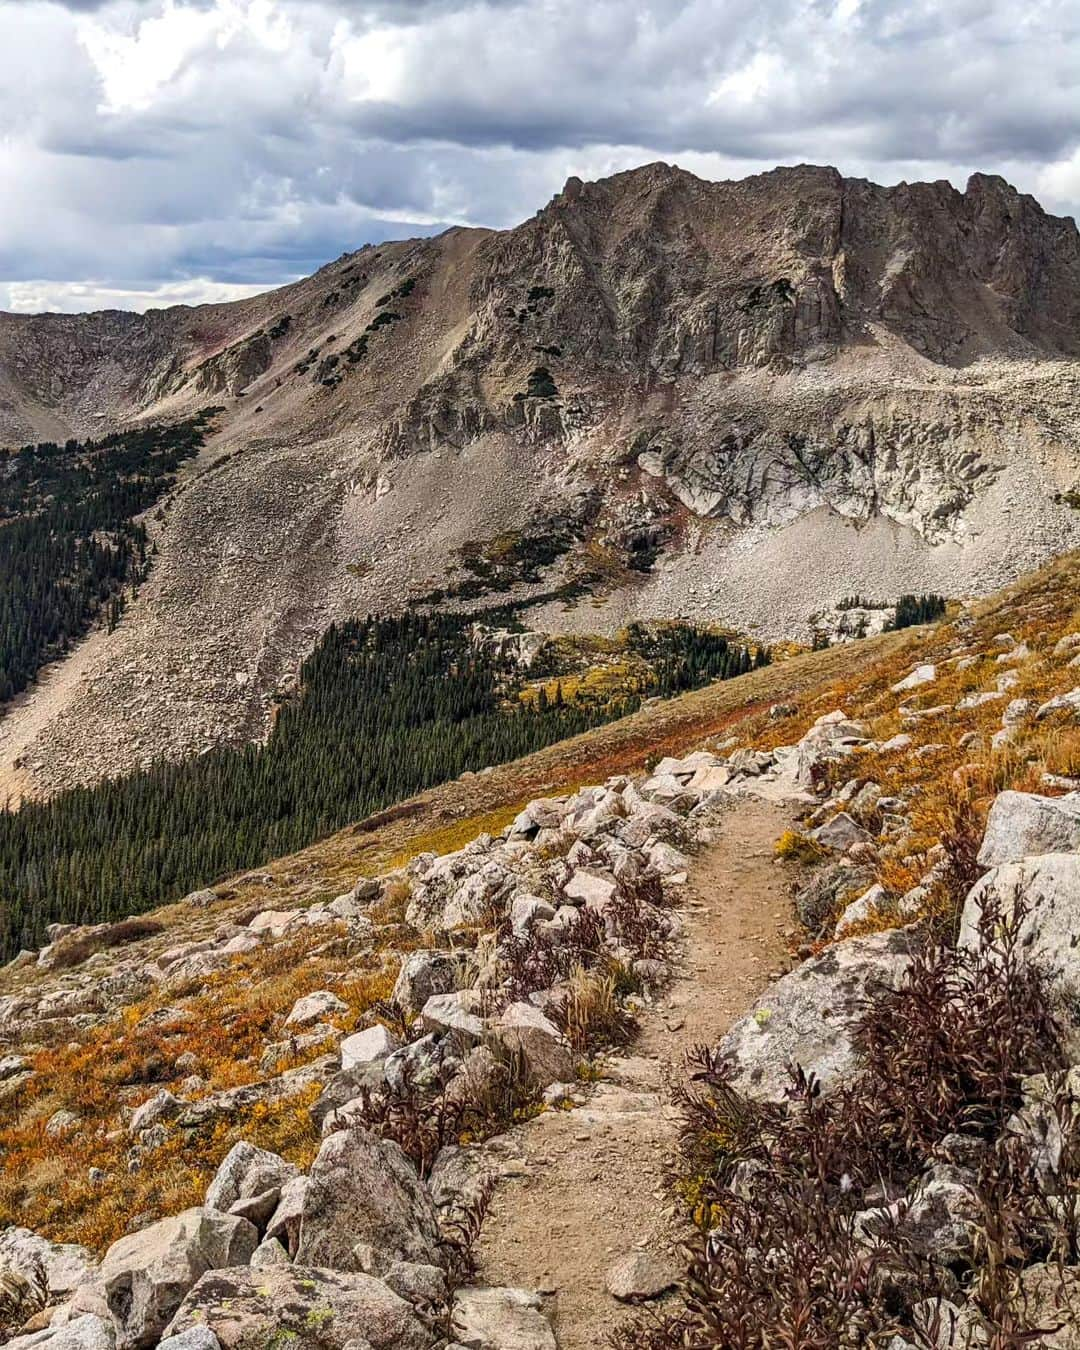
<point>387,707</point>
<point>68,539</point>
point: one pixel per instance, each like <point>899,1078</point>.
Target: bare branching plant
<point>781,1192</point>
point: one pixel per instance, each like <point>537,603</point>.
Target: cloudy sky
<point>156,151</point>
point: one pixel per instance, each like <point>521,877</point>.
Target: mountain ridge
<point>681,394</point>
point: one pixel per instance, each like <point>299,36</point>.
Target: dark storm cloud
<point>154,143</point>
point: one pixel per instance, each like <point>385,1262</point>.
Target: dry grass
<point>951,770</point>
<point>45,1182</point>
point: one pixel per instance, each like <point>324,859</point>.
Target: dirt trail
<point>585,1187</point>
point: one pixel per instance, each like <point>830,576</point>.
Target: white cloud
<point>76,297</point>
<point>147,144</point>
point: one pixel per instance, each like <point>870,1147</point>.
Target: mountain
<point>738,401</point>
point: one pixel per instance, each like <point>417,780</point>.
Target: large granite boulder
<point>146,1275</point>
<point>1048,889</point>
<point>302,1308</point>
<point>809,1016</point>
<point>1023,824</point>
<point>365,1207</point>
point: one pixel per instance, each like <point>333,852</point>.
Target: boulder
<point>524,1030</point>
<point>367,1047</point>
<point>832,737</point>
<point>303,1309</point>
<point>500,1319</point>
<point>868,906</point>
<point>417,1064</point>
<point>365,1207</point>
<point>269,1252</point>
<point>639,1276</point>
<point>527,910</point>
<point>314,1007</point>
<point>591,889</point>
<point>423,974</point>
<point>808,1016</point>
<point>1022,824</point>
<point>161,1107</point>
<point>422,1286</point>
<point>88,1332</point>
<point>250,1177</point>
<point>919,676</point>
<point>284,1224</point>
<point>455,1014</point>
<point>146,1275</point>
<point>198,1338</point>
<point>840,833</point>
<point>1048,886</point>
<point>274,921</point>
<point>459,1177</point>
<point>66,1266</point>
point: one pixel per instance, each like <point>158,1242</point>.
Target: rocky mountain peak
<point>680,390</point>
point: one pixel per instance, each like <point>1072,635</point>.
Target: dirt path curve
<point>583,1188</point>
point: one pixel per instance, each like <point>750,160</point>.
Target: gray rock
<point>269,1252</point>
<point>1049,887</point>
<point>832,737</point>
<point>88,1332</point>
<point>365,1207</point>
<point>840,833</point>
<point>592,888</point>
<point>421,1285</point>
<point>197,1338</point>
<point>303,1309</point>
<point>869,905</point>
<point>529,909</point>
<point>314,1007</point>
<point>459,1177</point>
<point>524,1030</point>
<point>66,1265</point>
<point>500,1319</point>
<point>368,1047</point>
<point>422,975</point>
<point>284,1223</point>
<point>1022,824</point>
<point>163,1106</point>
<point>454,1013</point>
<point>808,1016</point>
<point>249,1182</point>
<point>146,1275</point>
<point>639,1276</point>
<point>417,1064</point>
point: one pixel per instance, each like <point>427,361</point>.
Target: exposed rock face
<point>1023,824</point>
<point>794,355</point>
